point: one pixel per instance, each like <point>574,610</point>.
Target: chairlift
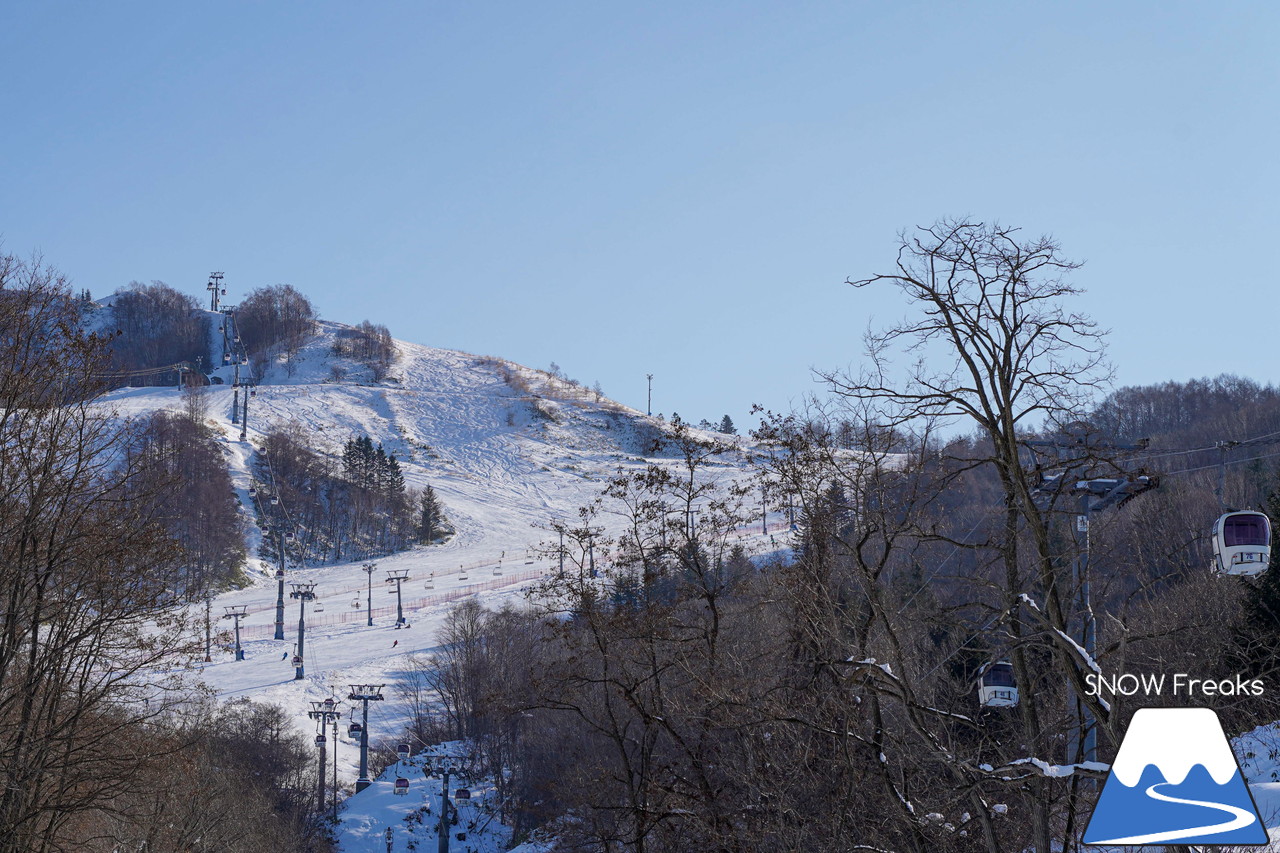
<point>354,730</point>
<point>497,571</point>
<point>319,608</point>
<point>431,582</point>
<point>402,786</point>
<point>1242,543</point>
<point>355,604</point>
<point>462,794</point>
<point>996,687</point>
<point>402,750</point>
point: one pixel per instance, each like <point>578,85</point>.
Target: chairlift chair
<point>355,604</point>
<point>319,608</point>
<point>1242,543</point>
<point>996,687</point>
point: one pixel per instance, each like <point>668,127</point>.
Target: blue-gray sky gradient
<point>677,189</point>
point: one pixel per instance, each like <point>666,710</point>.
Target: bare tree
<point>84,577</point>
<point>993,346</point>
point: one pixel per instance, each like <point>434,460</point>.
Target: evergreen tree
<point>432,524</point>
<point>727,427</point>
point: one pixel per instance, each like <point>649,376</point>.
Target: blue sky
<point>670,188</point>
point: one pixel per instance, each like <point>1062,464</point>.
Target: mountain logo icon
<point>1175,779</point>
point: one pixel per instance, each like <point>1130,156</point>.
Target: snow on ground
<point>504,460</point>
<point>414,817</point>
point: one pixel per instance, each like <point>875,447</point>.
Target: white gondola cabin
<point>996,687</point>
<point>321,740</point>
<point>462,794</point>
<point>402,786</point>
<point>1242,543</point>
<point>354,730</point>
<point>402,751</point>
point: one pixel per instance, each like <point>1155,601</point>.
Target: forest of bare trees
<point>276,318</point>
<point>823,699</point>
<point>155,326</point>
<point>102,741</point>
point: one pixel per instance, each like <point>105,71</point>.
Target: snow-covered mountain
<point>506,448</point>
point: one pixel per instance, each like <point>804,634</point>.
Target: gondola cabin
<point>320,740</point>
<point>996,687</point>
<point>354,730</point>
<point>402,786</point>
<point>1242,544</point>
<point>403,751</point>
<point>462,794</point>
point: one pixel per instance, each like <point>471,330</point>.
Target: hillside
<point>506,448</point>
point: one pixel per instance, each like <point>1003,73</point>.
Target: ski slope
<point>504,462</point>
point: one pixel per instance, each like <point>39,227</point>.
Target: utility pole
<point>562,553</point>
<point>368,570</point>
<point>208,627</point>
<point>244,420</point>
<point>236,612</point>
<point>443,836</point>
<point>335,765</point>
<point>1094,495</point>
<point>323,713</point>
<point>398,577</point>
<point>304,591</point>
<point>365,693</point>
<point>235,383</point>
<point>280,590</point>
<point>649,407</point>
<point>215,288</point>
